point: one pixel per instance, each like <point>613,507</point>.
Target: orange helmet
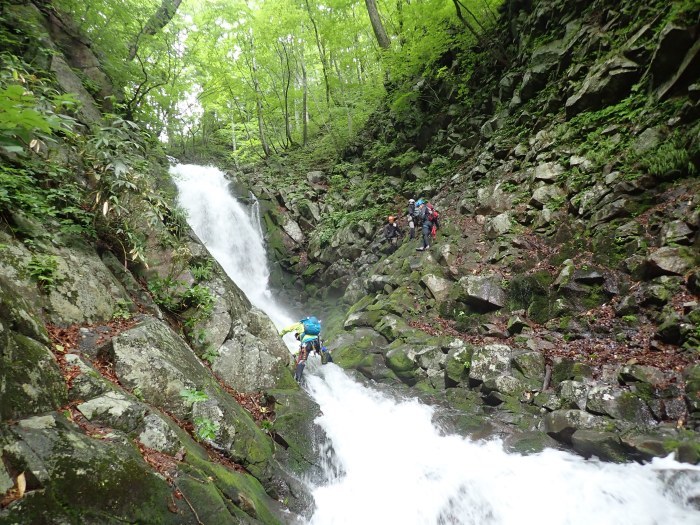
<point>391,218</point>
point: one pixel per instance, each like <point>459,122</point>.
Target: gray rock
<point>530,365</point>
<point>641,374</point>
<point>505,384</point>
<point>602,399</point>
<point>667,57</point>
<point>668,261</point>
<point>246,364</point>
<point>589,199</point>
<point>498,225</point>
<point>490,361</point>
<point>561,424</point>
<point>548,171</point>
<point>603,445</point>
<point>70,83</point>
<point>545,194</point>
<point>648,140</point>
<point>315,177</point>
<point>431,358</point>
<point>439,287</point>
<point>617,208</point>
<point>30,380</point>
<point>114,410</point>
<point>605,85</point>
<point>482,291</point>
<point>566,273</point>
<point>676,232</point>
<point>493,199</point>
<point>573,394</point>
<point>154,360</point>
<point>291,228</point>
<point>158,435</point>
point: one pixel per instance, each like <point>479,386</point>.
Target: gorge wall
<point>559,301</point>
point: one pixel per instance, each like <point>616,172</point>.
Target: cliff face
<point>113,316</point>
<point>563,285</point>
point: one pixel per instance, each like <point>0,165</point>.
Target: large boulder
<point>152,360</point>
<point>81,289</point>
<point>606,85</point>
<point>483,292</point>
<point>490,361</point>
<point>561,424</point>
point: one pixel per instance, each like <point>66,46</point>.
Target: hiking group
<point>418,213</point>
<point>308,333</point>
<point>308,330</point>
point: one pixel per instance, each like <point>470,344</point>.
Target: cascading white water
<point>391,465</point>
<point>396,467</point>
<point>231,235</point>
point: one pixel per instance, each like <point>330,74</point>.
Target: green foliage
<point>173,295</point>
<point>42,268</point>
<point>29,109</point>
<point>202,271</point>
<point>210,354</point>
<point>122,310</point>
<point>671,156</point>
<point>192,396</point>
<point>205,428</point>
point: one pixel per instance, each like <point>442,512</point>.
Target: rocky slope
<point>118,401</point>
<point>560,298</point>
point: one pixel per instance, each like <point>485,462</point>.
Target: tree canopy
<point>259,77</point>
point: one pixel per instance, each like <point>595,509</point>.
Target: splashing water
<point>391,465</point>
<point>388,463</point>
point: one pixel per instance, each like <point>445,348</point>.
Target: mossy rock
<point>399,302</point>
<point>566,369</point>
<point>351,357</point>
<point>532,293</point>
<point>405,369</point>
<point>85,480</point>
<point>31,380</point>
<point>529,442</point>
<point>17,314</point>
<point>457,368</point>
<point>603,445</point>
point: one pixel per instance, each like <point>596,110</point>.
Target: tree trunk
<point>305,101</point>
<point>158,21</point>
<point>258,99</point>
<point>288,81</point>
<point>377,25</point>
<point>321,52</point>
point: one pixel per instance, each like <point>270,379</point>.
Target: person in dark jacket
<point>392,233</point>
<point>424,215</point>
<point>411,217</point>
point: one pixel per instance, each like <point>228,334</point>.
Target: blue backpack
<point>312,326</point>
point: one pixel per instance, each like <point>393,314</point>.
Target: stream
<point>390,464</point>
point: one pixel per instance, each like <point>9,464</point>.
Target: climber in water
<point>307,332</point>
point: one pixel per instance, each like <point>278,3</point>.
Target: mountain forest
<point>540,162</point>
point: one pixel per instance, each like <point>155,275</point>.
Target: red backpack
<point>432,214</point>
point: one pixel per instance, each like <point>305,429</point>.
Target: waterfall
<point>230,232</point>
<point>255,213</point>
<point>387,463</point>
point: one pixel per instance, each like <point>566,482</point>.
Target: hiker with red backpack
<point>307,332</point>
<point>430,219</point>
